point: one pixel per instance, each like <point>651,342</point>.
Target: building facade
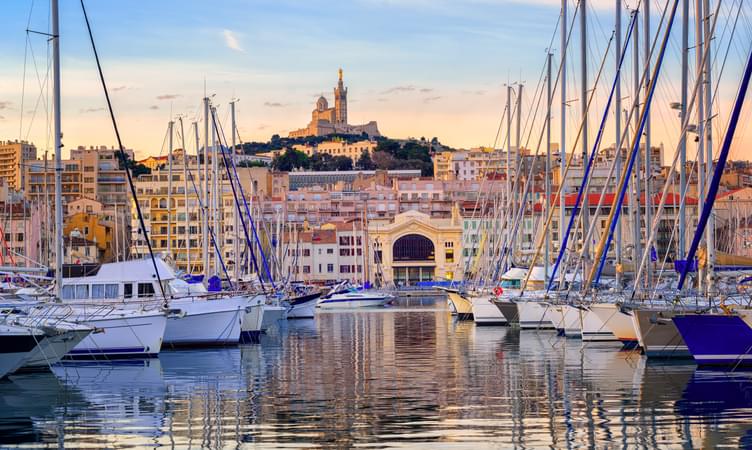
<point>13,157</point>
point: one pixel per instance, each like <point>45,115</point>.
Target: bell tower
<point>340,101</point>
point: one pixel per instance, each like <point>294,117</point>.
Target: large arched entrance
<point>414,259</point>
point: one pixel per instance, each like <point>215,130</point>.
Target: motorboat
<point>354,299</point>
<point>459,303</point>
<point>303,306</point>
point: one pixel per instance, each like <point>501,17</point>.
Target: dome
<point>322,104</point>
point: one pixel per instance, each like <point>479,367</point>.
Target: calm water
<point>401,377</point>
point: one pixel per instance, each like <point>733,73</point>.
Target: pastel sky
<point>418,67</point>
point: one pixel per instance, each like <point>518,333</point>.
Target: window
<point>330,251</point>
<point>344,269</point>
<point>69,292</point>
<point>127,290</point>
<point>82,292</point>
<point>449,256</point>
<point>306,252</point>
<point>306,269</point>
<point>145,290</point>
<point>330,268</point>
<point>97,291</point>
<point>19,237</point>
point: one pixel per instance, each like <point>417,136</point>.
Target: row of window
<point>105,291</point>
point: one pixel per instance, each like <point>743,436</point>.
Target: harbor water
<point>406,376</point>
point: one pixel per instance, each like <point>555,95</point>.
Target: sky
<point>418,67</point>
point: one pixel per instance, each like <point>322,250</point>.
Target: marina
<point>405,376</point>
<point>340,288</point>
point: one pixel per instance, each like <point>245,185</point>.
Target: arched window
<point>413,247</point>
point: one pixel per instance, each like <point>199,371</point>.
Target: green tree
<point>291,159</point>
<point>252,164</point>
<point>365,162</point>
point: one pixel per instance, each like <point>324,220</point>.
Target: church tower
<point>340,102</point>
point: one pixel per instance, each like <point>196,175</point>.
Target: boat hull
<point>715,339</point>
<point>272,315</point>
<point>594,329</point>
<point>617,321</point>
<point>657,334</point>
<point>572,318</point>
<point>462,305</point>
<point>15,348</point>
<point>534,315</point>
<point>353,303</point>
<point>205,322</point>
<point>509,310</point>
<point>253,319</point>
<point>122,335</point>
<point>54,348</point>
<point>303,307</point>
<point>485,312</point>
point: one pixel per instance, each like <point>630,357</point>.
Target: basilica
<point>326,120</point>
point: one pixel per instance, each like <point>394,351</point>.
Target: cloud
<point>5,105</point>
<point>152,107</point>
<point>274,105</point>
<point>231,41</point>
<point>398,89</point>
<point>168,96</point>
<point>119,88</point>
<point>91,110</point>
<point>431,99</point>
<point>426,90</point>
<point>263,126</point>
<point>382,100</point>
<point>2,117</point>
<point>478,92</point>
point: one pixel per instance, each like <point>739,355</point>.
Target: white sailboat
<point>16,345</point>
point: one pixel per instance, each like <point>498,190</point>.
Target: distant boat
<point>354,299</point>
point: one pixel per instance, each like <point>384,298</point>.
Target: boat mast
<point>187,235</point>
<point>617,133</point>
<point>57,131</point>
<point>517,170</point>
<point>700,122</point>
<point>634,202</point>
<point>236,211</point>
<point>710,232</point>
<point>204,184</point>
<point>584,111</point>
<point>215,196</point>
<point>169,188</point>
<point>510,207</point>
<point>547,179</point>
<point>682,245</point>
<point>648,171</point>
<point>563,131</point>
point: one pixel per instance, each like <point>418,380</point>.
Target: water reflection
<point>409,376</point>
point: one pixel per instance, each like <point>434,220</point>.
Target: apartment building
<point>13,157</point>
<point>92,173</point>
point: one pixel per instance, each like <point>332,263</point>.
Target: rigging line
<point>121,154</point>
<point>584,187</point>
<point>672,171</point>
<point>220,136</point>
<point>617,204</point>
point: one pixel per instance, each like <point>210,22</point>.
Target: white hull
<point>10,362</point>
<point>205,322</point>
<point>572,321</point>
<point>272,315</point>
<point>593,328</point>
<point>305,310</point>
<point>254,317</point>
<point>485,312</point>
<point>125,334</point>
<point>354,303</point>
<point>534,315</point>
<point>52,349</point>
<point>618,322</point>
<point>556,313</point>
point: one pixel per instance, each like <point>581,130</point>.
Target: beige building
<point>415,247</point>
<point>473,164</point>
<point>92,173</point>
<point>352,150</point>
<point>13,157</point>
<point>326,120</point>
